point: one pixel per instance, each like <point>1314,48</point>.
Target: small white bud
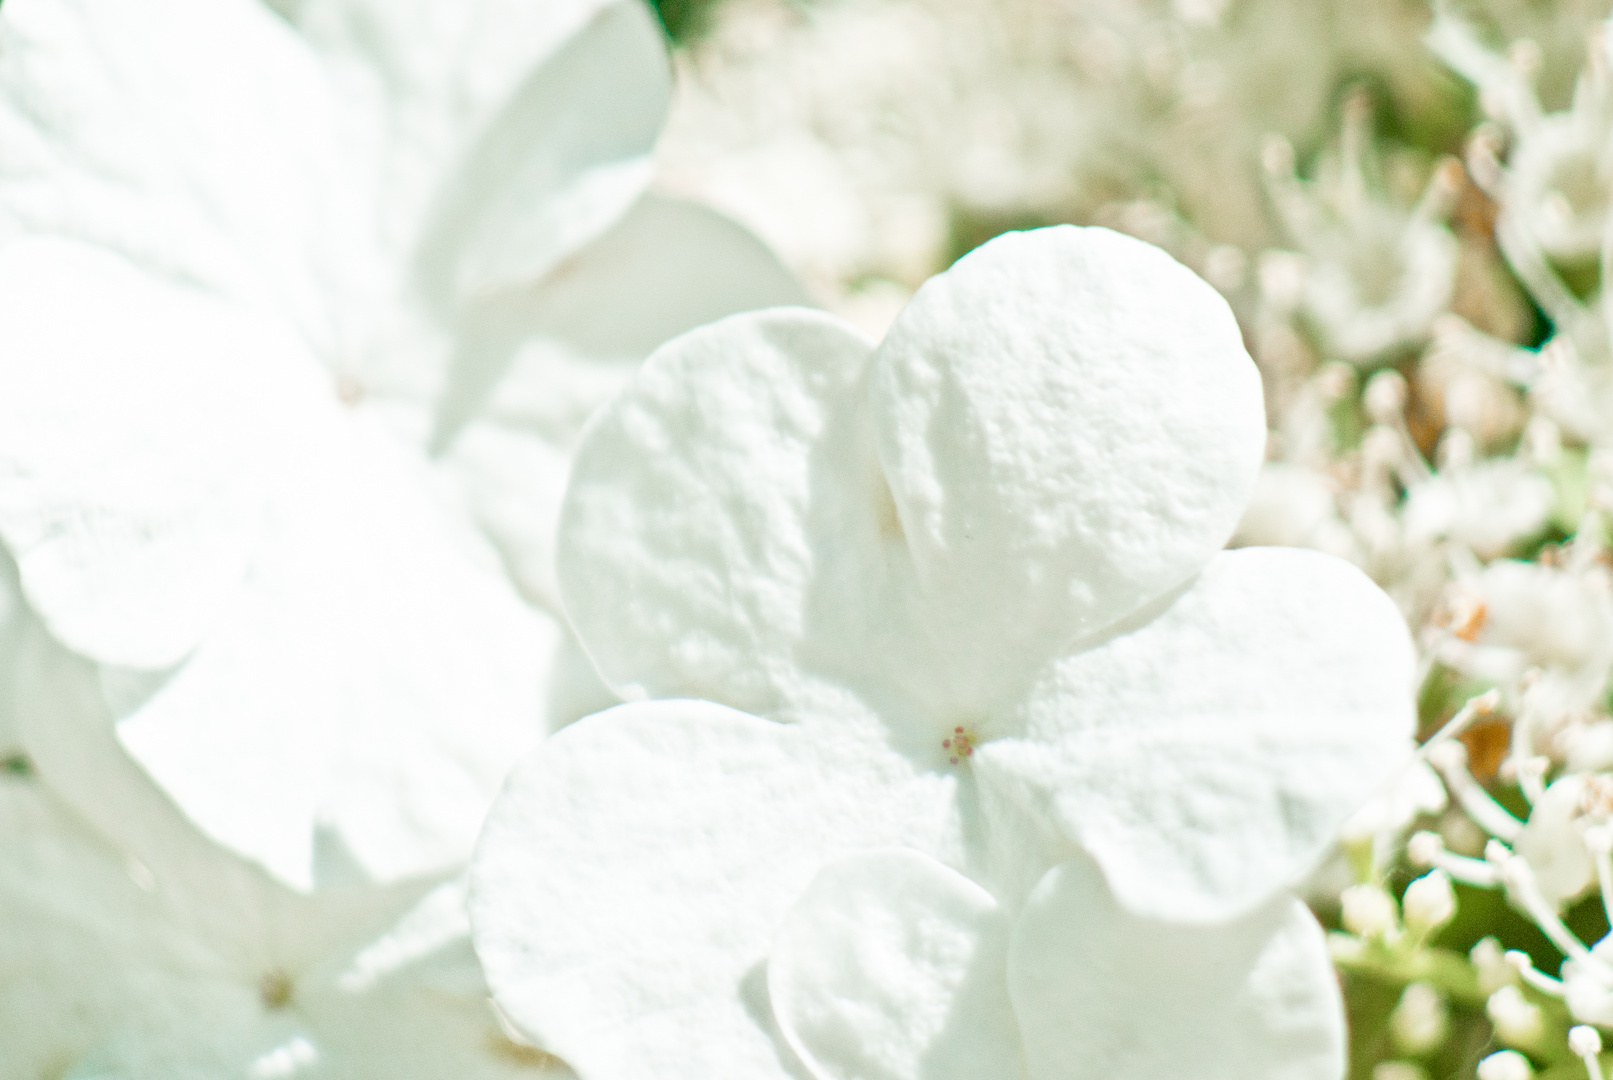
<point>1398,1070</point>
<point>1424,847</point>
<point>1385,397</point>
<point>1517,1020</point>
<point>1368,911</point>
<point>1419,1022</point>
<point>1491,963</point>
<point>1429,902</point>
<point>1584,1041</point>
<point>1505,1065</point>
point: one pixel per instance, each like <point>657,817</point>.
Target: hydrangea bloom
<point>302,309</point>
<point>1009,719</point>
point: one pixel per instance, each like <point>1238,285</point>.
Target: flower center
<point>349,391</point>
<point>275,989</point>
<point>960,745</point>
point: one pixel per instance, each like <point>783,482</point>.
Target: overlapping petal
<point>100,104</point>
<point>894,967</point>
<point>1103,994</point>
<point>518,403</point>
<point>629,882</point>
<point>1070,427</point>
<point>135,420</point>
<point>559,163</point>
<point>940,517</point>
<point>1208,756</point>
<point>722,532</point>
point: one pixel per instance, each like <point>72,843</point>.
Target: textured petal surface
<point>1070,427</point>
<point>894,967</point>
<point>572,345</point>
<point>632,876</point>
<point>722,532</point>
<point>1208,757</point>
<point>135,419</point>
<point>1105,995</point>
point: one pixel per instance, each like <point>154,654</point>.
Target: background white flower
<point>302,311</point>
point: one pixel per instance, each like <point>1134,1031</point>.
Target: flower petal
<point>397,678</point>
<point>135,419</point>
<point>1207,757</point>
<point>722,528</point>
<point>1070,427</point>
<point>197,136</point>
<point>573,345</point>
<point>14,618</point>
<point>633,874</point>
<point>1105,995</point>
<point>83,949</point>
<point>563,159</point>
<point>894,967</point>
<point>393,675</point>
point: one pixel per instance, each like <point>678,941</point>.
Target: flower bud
<point>1584,1041</point>
<point>1398,1070</point>
<point>1491,963</point>
<point>1517,1020</point>
<point>1429,902</point>
<point>1369,912</point>
<point>1420,1021</point>
<point>1505,1065</point>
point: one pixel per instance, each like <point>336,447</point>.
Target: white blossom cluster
<point>465,613</point>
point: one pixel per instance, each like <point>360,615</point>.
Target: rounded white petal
<point>632,877</point>
<point>355,708</point>
<point>722,529</point>
<point>893,966</point>
<point>1105,995</point>
<point>559,163</point>
<point>395,681</point>
<point>1209,755</point>
<point>136,419</point>
<point>1070,427</point>
<point>569,349</point>
<point>196,137</point>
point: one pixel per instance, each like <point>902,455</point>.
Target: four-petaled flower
<point>1005,519</point>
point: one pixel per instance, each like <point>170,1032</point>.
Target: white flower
<point>196,966</point>
<point>301,314</point>
<point>1004,698</point>
<point>1524,616</point>
<point>1378,274</point>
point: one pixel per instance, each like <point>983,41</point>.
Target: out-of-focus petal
<point>560,162</point>
<point>102,106</point>
<point>136,419</point>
